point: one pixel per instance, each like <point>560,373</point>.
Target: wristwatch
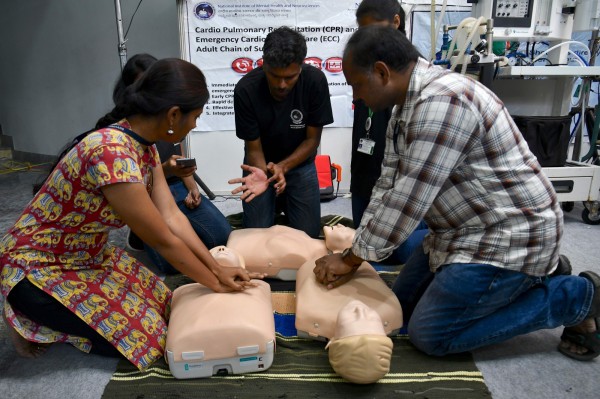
<point>350,259</point>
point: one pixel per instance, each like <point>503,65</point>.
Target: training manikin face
<point>360,352</point>
<point>356,318</point>
<point>338,237</point>
<point>227,257</point>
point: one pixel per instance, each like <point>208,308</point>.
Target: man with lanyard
<point>280,110</point>
<point>368,133</point>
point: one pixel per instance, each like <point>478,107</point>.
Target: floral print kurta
<point>60,244</point>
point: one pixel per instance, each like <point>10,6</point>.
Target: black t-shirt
<point>281,125</point>
<point>365,169</point>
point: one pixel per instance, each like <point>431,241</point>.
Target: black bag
<point>547,136</point>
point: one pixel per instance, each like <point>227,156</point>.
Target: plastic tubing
<point>559,45</point>
<point>501,59</point>
<point>473,36</point>
<point>578,58</point>
<point>472,30</point>
<point>456,34</point>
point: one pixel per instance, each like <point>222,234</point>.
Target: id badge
<point>366,146</point>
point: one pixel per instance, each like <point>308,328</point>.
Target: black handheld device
<point>186,162</point>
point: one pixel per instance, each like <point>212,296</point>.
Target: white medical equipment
<point>535,89</point>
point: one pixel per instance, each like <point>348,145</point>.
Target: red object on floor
<point>327,173</point>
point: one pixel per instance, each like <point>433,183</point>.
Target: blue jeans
<point>405,250</point>
<point>301,202</point>
<point>208,222</point>
<point>466,306</point>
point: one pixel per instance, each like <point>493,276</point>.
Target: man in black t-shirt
<point>280,110</point>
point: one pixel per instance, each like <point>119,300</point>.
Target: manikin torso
<point>348,317</point>
<point>285,247</point>
<point>215,324</point>
<point>317,307</point>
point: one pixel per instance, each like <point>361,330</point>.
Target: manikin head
<point>338,237</point>
<point>360,352</point>
<point>227,257</point>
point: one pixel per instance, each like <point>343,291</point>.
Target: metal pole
<point>122,47</point>
<point>586,84</point>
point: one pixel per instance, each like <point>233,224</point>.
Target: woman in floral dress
<point>62,281</point>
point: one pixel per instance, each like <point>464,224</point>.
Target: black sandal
<point>564,267</point>
<point>589,340</point>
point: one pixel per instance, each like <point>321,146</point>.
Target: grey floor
<point>525,367</point>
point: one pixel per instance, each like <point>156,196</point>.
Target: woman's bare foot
<point>24,347</point>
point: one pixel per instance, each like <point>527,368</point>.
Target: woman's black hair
<point>374,43</point>
<point>132,71</point>
<point>168,82</point>
<point>382,10</point>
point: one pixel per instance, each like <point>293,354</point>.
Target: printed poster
<point>224,38</point>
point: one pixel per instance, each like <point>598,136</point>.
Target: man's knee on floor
<point>428,340</point>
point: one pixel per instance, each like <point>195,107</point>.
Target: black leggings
<point>45,310</point>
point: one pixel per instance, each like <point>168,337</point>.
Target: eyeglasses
<point>399,125</point>
<point>395,136</point>
<point>396,149</point>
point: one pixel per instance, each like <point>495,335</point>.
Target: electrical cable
<point>547,60</point>
<point>131,20</point>
<point>575,127</point>
<point>12,166</point>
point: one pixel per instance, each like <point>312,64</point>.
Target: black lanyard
<point>132,134</point>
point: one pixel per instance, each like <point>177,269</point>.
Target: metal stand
<point>122,47</point>
<point>123,60</point>
<point>204,187</point>
<point>586,85</point>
